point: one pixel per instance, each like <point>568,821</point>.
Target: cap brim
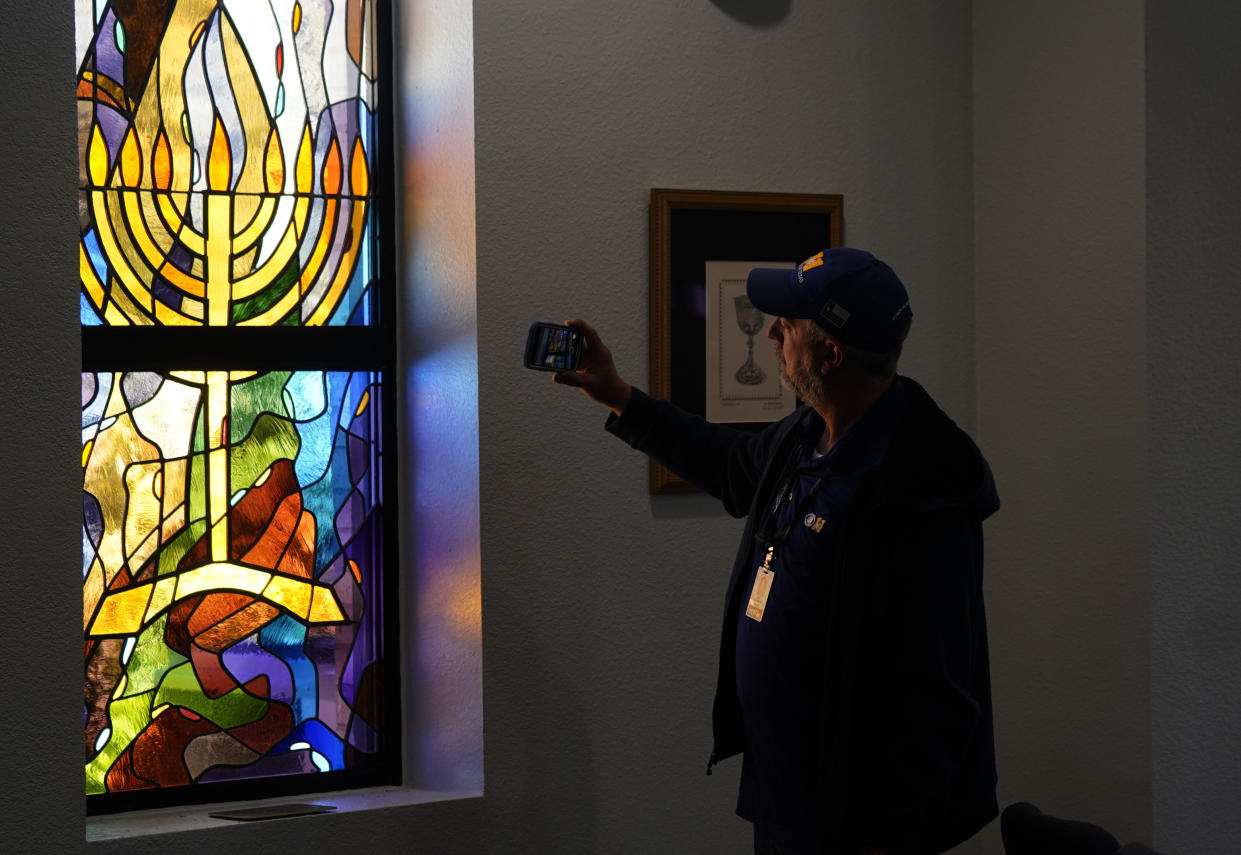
<point>773,291</point>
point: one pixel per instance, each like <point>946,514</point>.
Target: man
<point>853,665</point>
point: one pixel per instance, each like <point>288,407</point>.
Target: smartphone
<point>552,347</point>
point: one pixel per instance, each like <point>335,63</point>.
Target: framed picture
<point>709,351</point>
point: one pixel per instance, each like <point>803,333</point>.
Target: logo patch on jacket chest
<point>814,523</point>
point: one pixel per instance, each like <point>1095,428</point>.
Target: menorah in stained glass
<point>231,517</point>
<point>230,574</point>
<point>199,209</point>
<point>273,575</point>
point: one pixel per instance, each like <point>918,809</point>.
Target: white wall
<point>601,612</point>
<point>1060,225</point>
<point>611,599</point>
<point>1194,312</point>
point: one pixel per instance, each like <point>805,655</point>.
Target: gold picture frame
<point>688,229</point>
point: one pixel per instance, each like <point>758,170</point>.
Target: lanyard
<point>772,539</point>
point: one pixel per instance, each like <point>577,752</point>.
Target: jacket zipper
<point>711,761</point>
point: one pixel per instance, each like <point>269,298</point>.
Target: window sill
<point>196,817</point>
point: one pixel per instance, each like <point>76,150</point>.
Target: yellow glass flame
<point>97,158</point>
<point>305,163</point>
<point>131,160</point>
<point>274,165</point>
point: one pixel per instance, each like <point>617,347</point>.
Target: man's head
<point>851,294</point>
<point>857,308</point>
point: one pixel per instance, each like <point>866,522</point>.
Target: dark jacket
<point>906,744</point>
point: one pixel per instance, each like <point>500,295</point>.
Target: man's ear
<point>832,356</point>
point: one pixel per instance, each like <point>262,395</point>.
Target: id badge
<point>762,587</point>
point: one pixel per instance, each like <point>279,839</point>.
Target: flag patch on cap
<point>834,313</point>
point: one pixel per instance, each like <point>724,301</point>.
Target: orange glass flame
<point>359,177</point>
<point>331,170</point>
<point>161,163</point>
<point>219,159</point>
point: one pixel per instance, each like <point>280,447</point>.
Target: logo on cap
<point>809,264</point>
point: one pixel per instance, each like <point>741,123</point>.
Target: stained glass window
<point>236,308</point>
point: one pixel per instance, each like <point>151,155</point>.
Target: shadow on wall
<point>755,13</point>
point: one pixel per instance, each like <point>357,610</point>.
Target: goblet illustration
<point>750,320</point>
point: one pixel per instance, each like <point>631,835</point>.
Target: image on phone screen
<point>553,348</point>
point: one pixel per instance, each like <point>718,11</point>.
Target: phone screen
<point>551,347</point>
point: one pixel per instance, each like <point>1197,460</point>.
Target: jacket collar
<point>933,463</point>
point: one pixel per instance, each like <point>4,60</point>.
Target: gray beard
<point>803,383</point>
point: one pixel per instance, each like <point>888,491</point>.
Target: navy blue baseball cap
<point>850,293</point>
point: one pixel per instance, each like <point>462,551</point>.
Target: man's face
<point>795,351</point>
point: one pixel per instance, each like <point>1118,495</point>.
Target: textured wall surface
<point>1194,298</point>
<point>610,598</point>
<point>601,604</point>
<point>1060,215</point>
<point>40,521</point>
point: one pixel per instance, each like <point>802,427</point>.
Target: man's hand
<point>596,373</point>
